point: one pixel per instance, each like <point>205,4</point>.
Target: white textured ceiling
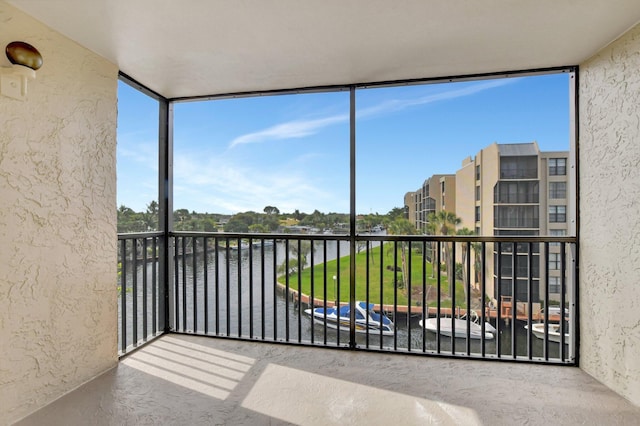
<point>182,48</point>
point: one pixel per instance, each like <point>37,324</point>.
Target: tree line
<point>271,219</point>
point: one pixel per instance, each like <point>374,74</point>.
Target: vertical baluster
<point>514,298</point>
<point>300,290</point>
<point>499,299</point>
<point>154,286</point>
<point>205,282</point>
<point>408,318</point>
<point>262,287</point>
<point>286,293</point>
<point>194,285</point>
<point>367,253</point>
<point>483,291</point>
<point>239,284</point>
<point>337,283</point>
<point>184,283</point>
<point>530,302</point>
<point>545,341</point>
<point>563,292</point>
<point>123,295</point>
<point>250,288</point>
<point>228,287</point>
<point>176,259</point>
<point>145,330</point>
<point>395,295</point>
<point>468,292</point>
<point>216,253</point>
<point>312,299</point>
<point>324,322</point>
<point>382,310</point>
<point>275,296</point>
<point>438,295</point>
<point>451,276</point>
<point>425,307</point>
<point>134,290</point>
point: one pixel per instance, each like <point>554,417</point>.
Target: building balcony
<point>61,359</point>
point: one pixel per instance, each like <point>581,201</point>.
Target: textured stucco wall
<point>610,215</point>
<point>57,222</point>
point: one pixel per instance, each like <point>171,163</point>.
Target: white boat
<point>553,331</point>
<point>233,245</point>
<point>366,318</point>
<point>555,310</point>
<point>460,327</point>
<point>261,243</point>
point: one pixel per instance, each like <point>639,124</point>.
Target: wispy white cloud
<point>140,148</point>
<point>224,185</point>
<point>394,105</point>
<point>289,130</point>
<point>302,128</point>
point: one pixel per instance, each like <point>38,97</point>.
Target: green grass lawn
<point>320,280</point>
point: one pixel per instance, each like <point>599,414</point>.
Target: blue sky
<point>292,151</point>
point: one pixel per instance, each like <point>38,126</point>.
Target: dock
<point>506,312</point>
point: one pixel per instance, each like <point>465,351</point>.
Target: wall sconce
<point>25,60</point>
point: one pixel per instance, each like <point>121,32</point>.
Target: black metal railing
<point>372,292</point>
<point>139,290</point>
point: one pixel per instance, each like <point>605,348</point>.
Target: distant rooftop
<point>518,149</point>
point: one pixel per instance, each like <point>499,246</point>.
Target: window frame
<point>555,193</point>
<point>555,214</point>
<point>556,169</point>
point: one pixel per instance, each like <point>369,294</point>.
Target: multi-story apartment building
<point>410,206</point>
<point>515,189</point>
<point>437,193</point>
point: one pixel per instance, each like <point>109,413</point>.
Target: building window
<point>516,192</point>
<point>554,285</point>
<point>518,167</point>
<point>515,216</point>
<point>557,214</point>
<point>557,166</point>
<point>554,261</point>
<point>557,233</point>
<point>477,193</point>
<point>477,172</point>
<point>557,190</point>
<point>477,213</point>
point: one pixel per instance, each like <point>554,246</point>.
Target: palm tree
<point>430,229</point>
<point>445,223</point>
<point>401,226</point>
<point>465,274</point>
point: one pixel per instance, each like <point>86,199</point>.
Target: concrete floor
<point>190,380</point>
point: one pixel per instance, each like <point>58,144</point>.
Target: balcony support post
<point>165,220</point>
<point>352,218</point>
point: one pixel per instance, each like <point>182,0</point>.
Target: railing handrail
<point>146,234</point>
<point>387,237</point>
<point>363,237</point>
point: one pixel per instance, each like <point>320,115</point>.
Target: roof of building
<point>518,149</point>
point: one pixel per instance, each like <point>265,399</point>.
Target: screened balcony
<point>66,358</point>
